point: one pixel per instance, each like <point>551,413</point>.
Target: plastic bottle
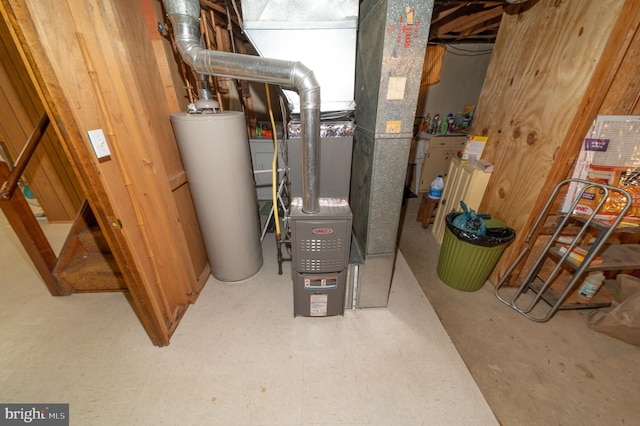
<point>444,124</point>
<point>435,190</point>
<point>425,123</point>
<point>450,123</point>
<point>591,284</point>
<point>436,124</point>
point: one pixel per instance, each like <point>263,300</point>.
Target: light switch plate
<point>99,143</point>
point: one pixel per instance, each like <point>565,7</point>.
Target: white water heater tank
<point>217,160</point>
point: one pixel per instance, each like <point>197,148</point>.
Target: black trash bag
<point>493,237</point>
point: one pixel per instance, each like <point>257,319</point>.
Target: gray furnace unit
<point>320,257</point>
<point>320,242</point>
<point>322,35</point>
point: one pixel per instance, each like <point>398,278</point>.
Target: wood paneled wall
<point>94,66</point>
<point>553,66</point>
<point>49,174</point>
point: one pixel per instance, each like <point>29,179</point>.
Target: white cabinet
<point>464,183</point>
<point>436,159</point>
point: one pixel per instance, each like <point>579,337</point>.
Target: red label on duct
<point>407,28</point>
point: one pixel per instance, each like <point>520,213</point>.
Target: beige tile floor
<point>556,373</point>
<point>238,358</point>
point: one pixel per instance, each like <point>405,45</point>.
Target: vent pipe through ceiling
<point>185,15</point>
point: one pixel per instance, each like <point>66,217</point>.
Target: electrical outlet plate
<point>99,143</point>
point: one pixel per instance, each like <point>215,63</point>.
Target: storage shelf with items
<point>563,248</point>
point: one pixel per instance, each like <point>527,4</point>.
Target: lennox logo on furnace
<point>322,231</point>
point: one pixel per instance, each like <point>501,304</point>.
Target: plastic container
<point>466,260</point>
<point>435,190</point>
<point>444,125</point>
<point>435,125</point>
<point>591,285</point>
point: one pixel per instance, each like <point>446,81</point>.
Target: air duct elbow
<point>186,32</point>
<point>184,16</point>
<point>305,83</point>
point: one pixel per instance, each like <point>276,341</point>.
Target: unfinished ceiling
<point>452,21</point>
<point>456,21</point>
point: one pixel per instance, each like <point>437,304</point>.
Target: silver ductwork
<point>184,16</point>
<point>320,33</point>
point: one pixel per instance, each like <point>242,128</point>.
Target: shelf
<point>615,257</point>
<point>603,224</point>
<point>562,279</point>
<point>601,299</point>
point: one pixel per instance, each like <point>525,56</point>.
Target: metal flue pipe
<point>184,16</point>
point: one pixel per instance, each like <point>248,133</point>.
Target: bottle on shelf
<point>436,124</point>
<point>444,124</point>
<point>450,123</point>
<point>435,190</point>
<point>424,127</point>
<point>591,284</point>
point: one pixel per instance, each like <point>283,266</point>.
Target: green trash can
<point>466,260</point>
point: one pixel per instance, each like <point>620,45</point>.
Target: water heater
<point>217,160</point>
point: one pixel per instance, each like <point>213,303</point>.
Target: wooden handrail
<point>10,185</point>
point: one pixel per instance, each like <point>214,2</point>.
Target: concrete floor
<point>555,373</point>
<point>239,357</point>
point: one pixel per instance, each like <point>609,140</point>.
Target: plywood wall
<point>552,67</point>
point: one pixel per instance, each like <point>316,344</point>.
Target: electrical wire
<point>453,50</point>
<point>274,166</point>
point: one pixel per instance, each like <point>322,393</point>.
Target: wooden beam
<point>490,26</point>
<point>463,23</point>
<point>22,220</point>
<point>624,95</point>
<point>213,7</point>
<point>443,14</point>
